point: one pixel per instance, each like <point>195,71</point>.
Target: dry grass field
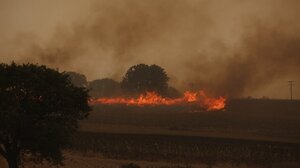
<point>271,120</point>
<point>96,160</point>
<point>247,134</point>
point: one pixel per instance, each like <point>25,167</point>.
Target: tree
<point>142,78</point>
<point>77,79</point>
<point>173,92</point>
<point>104,88</point>
<point>39,111</point>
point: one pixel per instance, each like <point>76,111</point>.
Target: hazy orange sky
<point>230,47</point>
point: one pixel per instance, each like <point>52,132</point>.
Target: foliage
<point>77,79</point>
<point>39,111</point>
<point>142,78</point>
<point>104,88</point>
<point>173,92</point>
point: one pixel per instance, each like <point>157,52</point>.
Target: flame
<point>212,103</point>
<point>152,98</point>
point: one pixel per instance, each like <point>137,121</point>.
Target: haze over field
<point>232,47</point>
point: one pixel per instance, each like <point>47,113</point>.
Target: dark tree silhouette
<point>39,111</point>
<point>77,79</point>
<point>142,78</point>
<point>104,88</point>
<point>173,92</point>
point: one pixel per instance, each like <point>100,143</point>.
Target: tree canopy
<point>104,88</point>
<point>39,111</point>
<point>173,92</point>
<point>142,78</point>
<point>77,79</point>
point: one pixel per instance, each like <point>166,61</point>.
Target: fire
<point>152,98</point>
<point>212,103</point>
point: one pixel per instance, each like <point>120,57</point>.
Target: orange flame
<point>152,98</point>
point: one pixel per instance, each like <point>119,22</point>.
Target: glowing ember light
<point>212,103</point>
<point>152,98</point>
<point>190,96</point>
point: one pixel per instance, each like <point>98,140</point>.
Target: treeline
<point>137,80</point>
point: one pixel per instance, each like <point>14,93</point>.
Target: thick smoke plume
<point>233,48</point>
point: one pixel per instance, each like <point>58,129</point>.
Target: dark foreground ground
<point>187,149</point>
<point>104,150</point>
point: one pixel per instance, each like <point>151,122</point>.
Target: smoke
<point>232,48</point>
<point>266,54</point>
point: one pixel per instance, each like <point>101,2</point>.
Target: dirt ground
<point>95,160</point>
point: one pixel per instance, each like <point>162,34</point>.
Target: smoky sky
<point>232,47</point>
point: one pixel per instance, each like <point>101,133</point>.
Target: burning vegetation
<point>146,85</point>
<point>153,99</point>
